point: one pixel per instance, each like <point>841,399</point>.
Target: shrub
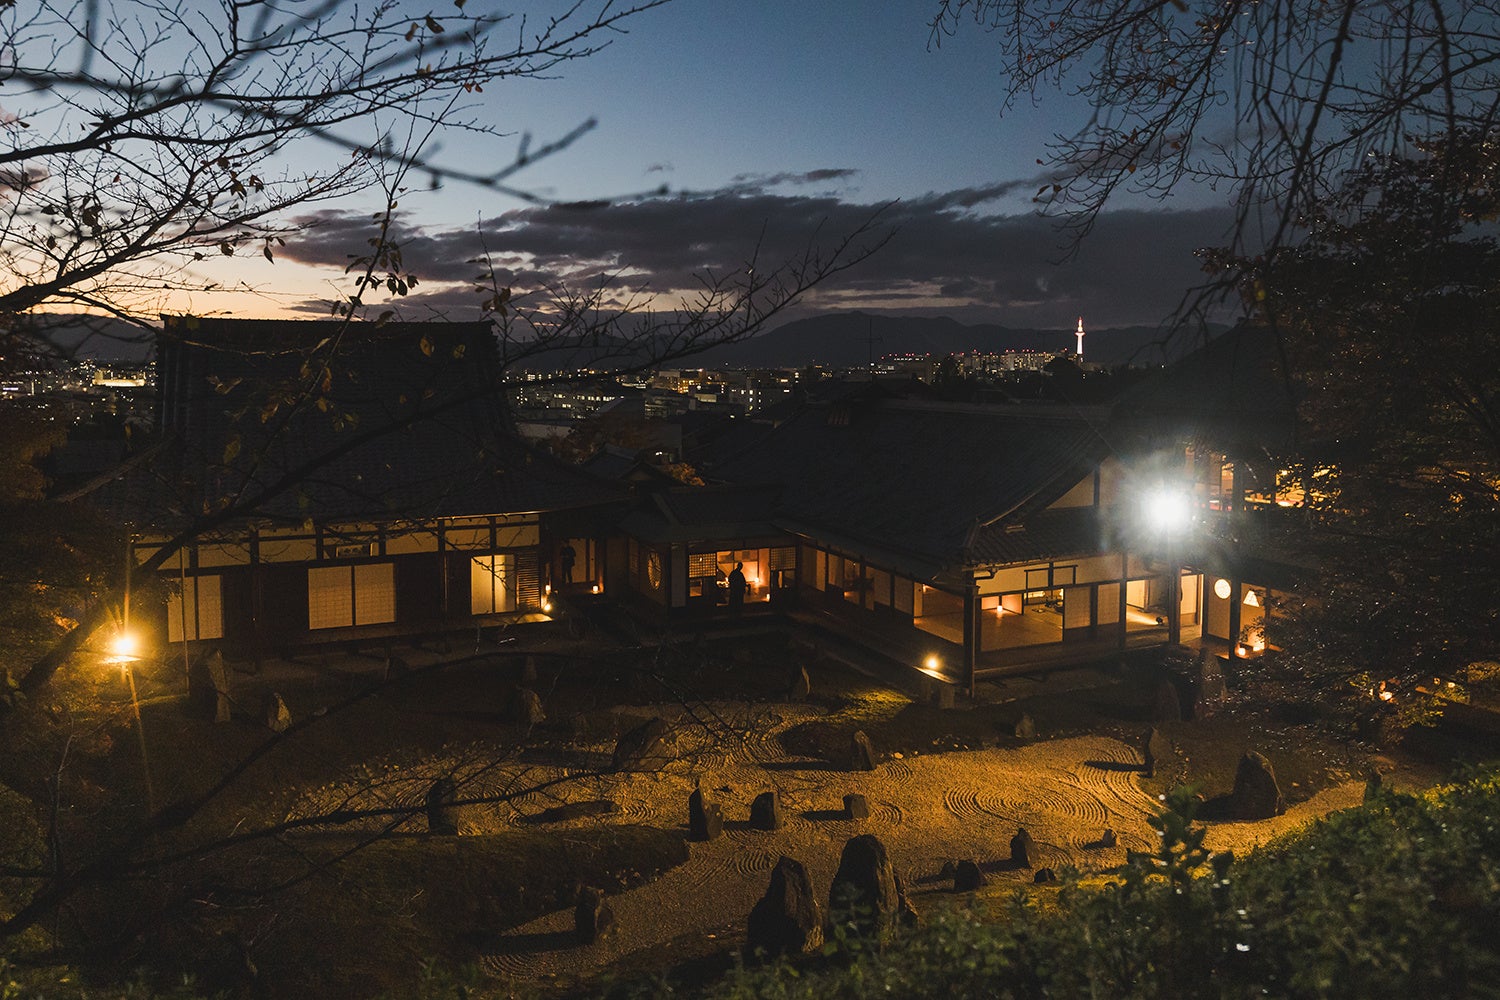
<point>1398,898</point>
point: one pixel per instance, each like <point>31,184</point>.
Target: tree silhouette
<point>1388,309</point>
<point>145,137</point>
<point>1272,102</point>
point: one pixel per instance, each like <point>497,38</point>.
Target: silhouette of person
<point>737,588</point>
<point>568,555</point>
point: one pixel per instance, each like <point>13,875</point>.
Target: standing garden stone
<point>765,811</point>
<point>1210,689</point>
<point>640,748</point>
<point>787,920</point>
<point>1023,849</point>
<point>967,877</point>
<point>800,685</point>
<point>705,819</point>
<point>278,717</point>
<point>1256,794</point>
<point>592,917</point>
<point>1153,748</point>
<point>525,708</point>
<point>866,892</point>
<point>1025,727</point>
<point>1373,782</point>
<point>861,753</point>
<point>1168,706</point>
<point>442,815</point>
<point>856,806</point>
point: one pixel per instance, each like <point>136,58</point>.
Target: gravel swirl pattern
<point>926,808</point>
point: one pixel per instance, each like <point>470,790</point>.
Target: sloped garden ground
<point>311,869</point>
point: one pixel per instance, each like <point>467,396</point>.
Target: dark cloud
<point>20,179</point>
<point>944,256</point>
<point>746,183</point>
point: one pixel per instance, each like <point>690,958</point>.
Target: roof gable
<point>919,478</point>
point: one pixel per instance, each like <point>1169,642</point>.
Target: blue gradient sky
<point>710,90</point>
<point>773,121</point>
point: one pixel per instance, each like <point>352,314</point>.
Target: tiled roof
<point>920,479</point>
<point>406,424</point>
<point>1043,535</point>
<point>716,506</point>
<point>611,463</point>
<point>704,514</point>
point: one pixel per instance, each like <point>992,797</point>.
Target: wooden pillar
<point>1235,610</point>
<point>444,571</point>
<point>1124,621</point>
<point>971,637</point>
<point>1237,517</point>
<point>1174,601</point>
<point>257,600</point>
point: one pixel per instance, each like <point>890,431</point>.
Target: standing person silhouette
<point>568,555</point>
<point>737,588</point>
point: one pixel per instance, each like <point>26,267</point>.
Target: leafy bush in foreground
<point>1400,898</point>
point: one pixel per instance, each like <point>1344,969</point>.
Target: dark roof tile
<point>918,478</point>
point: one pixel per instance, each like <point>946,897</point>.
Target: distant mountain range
<point>838,340</point>
<point>850,339</point>
<point>102,338</point>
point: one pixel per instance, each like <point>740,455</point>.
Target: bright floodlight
<point>1166,511</point>
<point>124,646</point>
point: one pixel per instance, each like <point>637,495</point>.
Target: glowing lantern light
<point>124,647</point>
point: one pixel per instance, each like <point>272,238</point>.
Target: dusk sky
<point>779,122</point>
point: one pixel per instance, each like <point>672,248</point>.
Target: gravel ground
<point>927,808</point>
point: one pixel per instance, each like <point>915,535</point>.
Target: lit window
<point>198,611</point>
<point>492,584</point>
<point>340,596</point>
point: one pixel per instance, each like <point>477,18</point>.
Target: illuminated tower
<point>1080,338</point>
